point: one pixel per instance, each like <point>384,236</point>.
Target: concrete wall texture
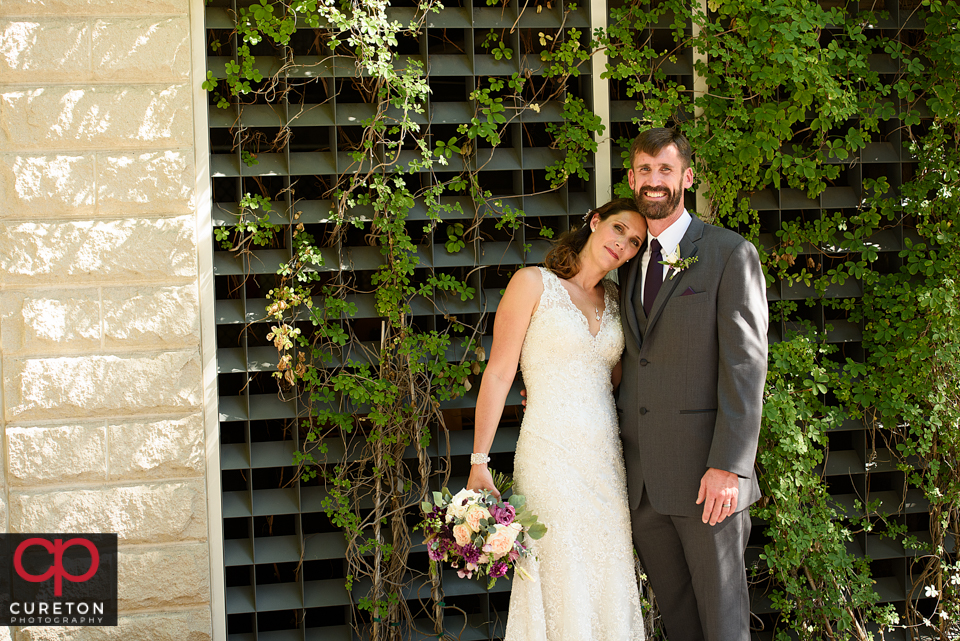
<point>102,422</point>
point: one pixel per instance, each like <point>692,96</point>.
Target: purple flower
<point>471,553</point>
<point>435,550</point>
<point>447,544</point>
<point>503,513</point>
<point>498,569</point>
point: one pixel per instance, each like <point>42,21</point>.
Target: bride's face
<point>617,238</point>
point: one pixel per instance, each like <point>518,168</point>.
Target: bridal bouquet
<point>477,534</point>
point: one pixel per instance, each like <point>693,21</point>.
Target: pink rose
<point>476,514</point>
<point>462,533</point>
<point>500,541</point>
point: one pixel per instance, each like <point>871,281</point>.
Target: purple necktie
<point>653,278</point>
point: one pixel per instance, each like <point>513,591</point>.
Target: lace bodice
<point>565,368</point>
<point>559,334</point>
<point>569,465</point>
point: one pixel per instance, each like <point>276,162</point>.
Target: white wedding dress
<point>569,466</point>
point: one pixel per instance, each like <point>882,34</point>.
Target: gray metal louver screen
<point>284,559</point>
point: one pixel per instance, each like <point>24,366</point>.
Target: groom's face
<point>658,182</point>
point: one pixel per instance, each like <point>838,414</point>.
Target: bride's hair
<point>563,259</point>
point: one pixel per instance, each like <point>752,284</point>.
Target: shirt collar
<point>672,235</point>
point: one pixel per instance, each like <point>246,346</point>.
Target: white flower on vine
<point>927,623</point>
<point>930,591</point>
<point>955,579</point>
<point>944,615</point>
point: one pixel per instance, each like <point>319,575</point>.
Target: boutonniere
<point>677,264</point>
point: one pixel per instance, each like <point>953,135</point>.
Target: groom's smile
<point>657,203</point>
<point>656,195</point>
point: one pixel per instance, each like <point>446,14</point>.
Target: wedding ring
<point>726,505</point>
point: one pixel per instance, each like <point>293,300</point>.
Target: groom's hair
<point>652,142</point>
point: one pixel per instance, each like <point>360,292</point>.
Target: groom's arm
<point>742,341</point>
<point>742,370</point>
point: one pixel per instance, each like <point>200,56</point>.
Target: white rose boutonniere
<point>677,264</point>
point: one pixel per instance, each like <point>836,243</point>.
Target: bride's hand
<point>481,479</point>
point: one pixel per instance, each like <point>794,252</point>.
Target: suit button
<point>643,410</point>
<point>644,362</point>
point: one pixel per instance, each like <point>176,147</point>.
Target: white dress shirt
<point>669,240</point>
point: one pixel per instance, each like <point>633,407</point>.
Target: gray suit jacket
<point>693,373</point>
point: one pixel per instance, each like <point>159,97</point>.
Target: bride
<point>562,324</point>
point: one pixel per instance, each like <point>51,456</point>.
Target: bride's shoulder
<point>529,276</point>
<point>524,290</point>
<point>528,281</point>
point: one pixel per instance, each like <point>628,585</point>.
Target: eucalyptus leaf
<point>526,519</point>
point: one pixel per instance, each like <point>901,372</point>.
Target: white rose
<point>457,507</point>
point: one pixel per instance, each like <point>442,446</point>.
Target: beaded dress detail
<point>569,466</point>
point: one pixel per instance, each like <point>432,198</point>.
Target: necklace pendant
<point>596,310</point>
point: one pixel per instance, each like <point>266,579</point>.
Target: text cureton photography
<point>58,579</point>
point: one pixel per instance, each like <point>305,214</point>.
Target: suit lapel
<point>627,306</point>
<point>688,248</point>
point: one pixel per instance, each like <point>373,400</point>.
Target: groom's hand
<point>718,493</point>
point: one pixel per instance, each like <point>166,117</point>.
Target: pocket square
<point>689,292</point>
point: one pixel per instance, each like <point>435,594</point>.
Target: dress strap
<point>611,296</point>
<point>548,276</point>
<point>552,289</point>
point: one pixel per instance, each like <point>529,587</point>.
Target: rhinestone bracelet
<point>478,458</point>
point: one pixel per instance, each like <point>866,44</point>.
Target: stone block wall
<point>101,397</point>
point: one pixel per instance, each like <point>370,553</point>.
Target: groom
<point>690,399</point>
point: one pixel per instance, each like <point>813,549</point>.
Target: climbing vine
<point>795,96</point>
<point>374,408</point>
<point>793,101</point>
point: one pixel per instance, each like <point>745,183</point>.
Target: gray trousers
<point>697,573</point>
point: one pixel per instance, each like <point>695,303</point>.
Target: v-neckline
<point>603,314</point>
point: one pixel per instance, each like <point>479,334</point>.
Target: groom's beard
<point>661,210</point>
